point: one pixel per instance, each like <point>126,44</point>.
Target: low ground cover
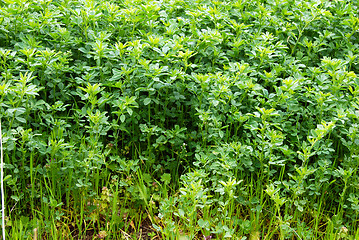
<point>180,119</point>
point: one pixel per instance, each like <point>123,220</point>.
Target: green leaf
<point>181,212</point>
<point>122,118</point>
<point>147,101</point>
<point>166,178</point>
<point>21,119</point>
<point>130,111</point>
<point>203,223</point>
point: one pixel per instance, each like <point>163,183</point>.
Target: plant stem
<point>2,187</point>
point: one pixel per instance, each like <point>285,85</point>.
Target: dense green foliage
<point>180,119</point>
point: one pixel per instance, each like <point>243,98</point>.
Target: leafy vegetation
<point>180,119</point>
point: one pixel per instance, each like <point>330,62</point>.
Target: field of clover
<point>180,119</point>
